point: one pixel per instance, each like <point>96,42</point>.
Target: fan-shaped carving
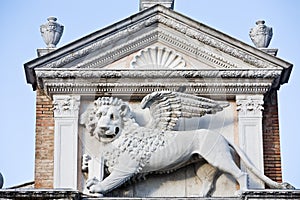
<point>157,58</point>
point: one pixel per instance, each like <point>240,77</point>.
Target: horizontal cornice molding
<point>140,90</point>
<point>161,73</point>
<point>141,82</point>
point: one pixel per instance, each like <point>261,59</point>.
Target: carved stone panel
<point>66,110</point>
<point>185,182</point>
<point>250,109</point>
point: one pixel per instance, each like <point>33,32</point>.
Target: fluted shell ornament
<point>51,32</point>
<point>157,58</point>
<point>261,34</point>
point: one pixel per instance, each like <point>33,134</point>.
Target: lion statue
<point>132,150</point>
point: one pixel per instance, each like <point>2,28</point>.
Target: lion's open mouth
<point>106,135</point>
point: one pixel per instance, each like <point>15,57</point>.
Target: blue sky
<point>20,37</point>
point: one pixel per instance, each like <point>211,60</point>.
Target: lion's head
<point>105,118</point>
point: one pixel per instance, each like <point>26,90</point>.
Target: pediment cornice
<point>167,27</point>
<point>141,41</point>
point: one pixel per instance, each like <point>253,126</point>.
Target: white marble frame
<point>250,129</point>
<point>66,111</point>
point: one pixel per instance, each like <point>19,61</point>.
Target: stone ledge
<point>271,194</point>
<point>164,198</point>
<point>41,194</point>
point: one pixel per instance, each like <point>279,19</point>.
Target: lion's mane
<point>138,142</point>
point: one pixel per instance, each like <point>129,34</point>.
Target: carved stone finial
<point>144,4</point>
<point>51,32</point>
<point>261,34</point>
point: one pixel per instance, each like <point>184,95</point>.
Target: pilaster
<point>250,109</point>
<point>66,111</point>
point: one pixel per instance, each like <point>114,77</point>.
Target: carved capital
<point>66,105</point>
<point>250,105</point>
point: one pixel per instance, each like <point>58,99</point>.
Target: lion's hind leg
<point>219,156</point>
<point>208,176</point>
<point>226,164</point>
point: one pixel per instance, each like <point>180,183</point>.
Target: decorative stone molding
<point>66,110</point>
<point>112,54</point>
<point>70,81</point>
<point>192,49</point>
<point>250,109</point>
<point>162,73</point>
<point>157,58</point>
<point>102,59</point>
<point>143,89</point>
<point>213,42</point>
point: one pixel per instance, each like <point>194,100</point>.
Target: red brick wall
<point>271,140</point>
<point>44,141</point>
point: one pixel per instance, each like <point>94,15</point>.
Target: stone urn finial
<point>51,32</point>
<point>261,34</point>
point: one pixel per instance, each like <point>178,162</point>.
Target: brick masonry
<point>271,139</point>
<point>44,145</point>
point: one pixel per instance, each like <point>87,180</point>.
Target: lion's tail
<point>254,170</point>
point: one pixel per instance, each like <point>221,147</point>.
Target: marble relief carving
<point>250,105</point>
<point>65,105</point>
<point>132,150</point>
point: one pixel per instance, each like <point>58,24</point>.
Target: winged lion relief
<point>132,150</point>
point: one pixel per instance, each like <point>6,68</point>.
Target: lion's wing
<point>167,107</point>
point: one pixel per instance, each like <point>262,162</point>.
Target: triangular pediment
<point>156,39</point>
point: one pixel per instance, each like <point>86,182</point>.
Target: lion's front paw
<point>94,186</point>
<point>288,186</point>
